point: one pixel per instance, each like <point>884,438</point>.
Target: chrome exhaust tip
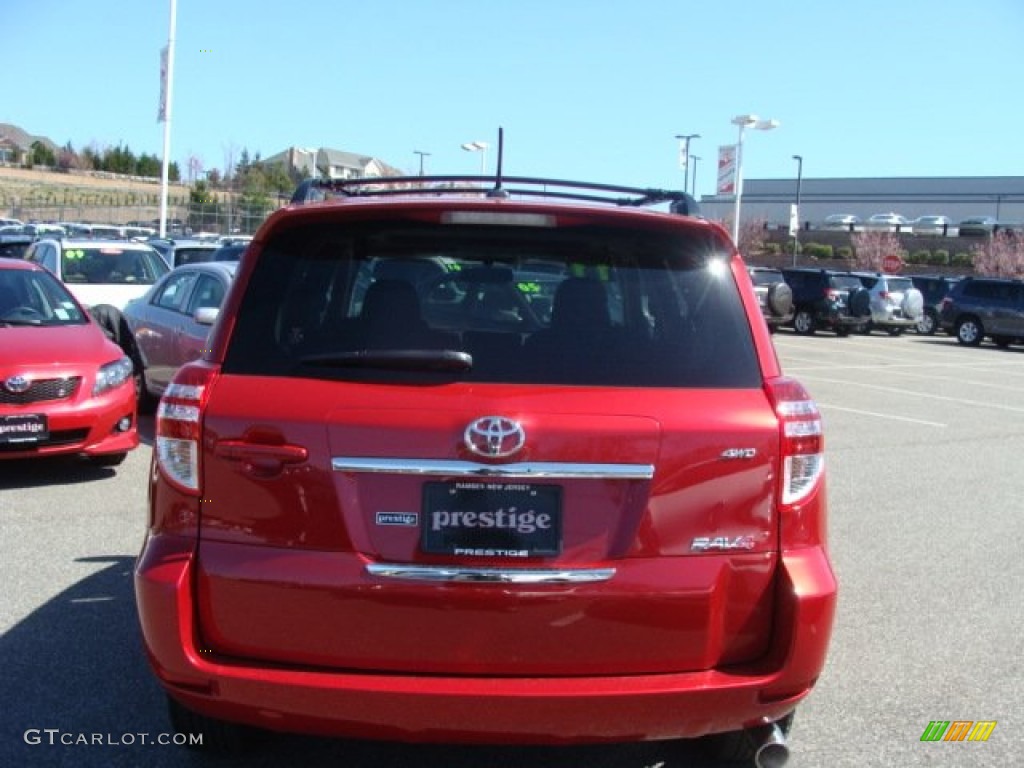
<point>770,747</point>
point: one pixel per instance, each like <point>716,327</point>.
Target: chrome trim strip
<point>520,470</point>
<point>489,575</point>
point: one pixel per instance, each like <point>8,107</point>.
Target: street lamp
<point>744,122</point>
<point>684,154</point>
<point>481,147</point>
<point>693,187</point>
<point>422,155</point>
<point>796,212</point>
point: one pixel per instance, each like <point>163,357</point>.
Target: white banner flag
<point>161,115</point>
<point>684,160</point>
<point>727,169</point>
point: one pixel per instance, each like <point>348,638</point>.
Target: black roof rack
<point>321,189</point>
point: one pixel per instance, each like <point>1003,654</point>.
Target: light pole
<point>799,180</point>
<point>166,100</point>
<point>684,154</point>
<point>693,187</point>
<point>744,122</point>
<point>481,147</point>
<point>422,155</point>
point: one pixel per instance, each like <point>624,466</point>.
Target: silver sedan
<point>171,321</point>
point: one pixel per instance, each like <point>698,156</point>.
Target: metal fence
<point>234,217</point>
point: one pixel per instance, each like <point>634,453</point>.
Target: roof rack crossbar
<point>314,189</point>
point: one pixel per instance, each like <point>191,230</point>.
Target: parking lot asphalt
<point>923,438</point>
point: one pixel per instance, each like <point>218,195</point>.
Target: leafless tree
<point>1002,255</point>
<point>752,237</point>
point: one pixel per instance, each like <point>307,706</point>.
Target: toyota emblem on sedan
<point>494,437</point>
<point>17,384</point>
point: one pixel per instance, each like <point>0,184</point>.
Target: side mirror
<point>206,315</point>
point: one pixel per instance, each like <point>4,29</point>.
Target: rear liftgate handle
<point>261,459</point>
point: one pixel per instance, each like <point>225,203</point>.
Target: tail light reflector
<point>179,426</point>
<point>803,444</point>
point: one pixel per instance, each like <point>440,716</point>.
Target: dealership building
<point>955,197</point>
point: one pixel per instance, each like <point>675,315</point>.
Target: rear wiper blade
<point>396,359</point>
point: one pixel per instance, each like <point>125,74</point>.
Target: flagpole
<point>166,113</point>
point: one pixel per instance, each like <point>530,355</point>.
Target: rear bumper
<point>838,319</point>
<point>543,710</point>
<point>890,320</point>
<point>777,321</point>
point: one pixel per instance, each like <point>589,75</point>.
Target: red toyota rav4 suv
<point>475,465</point>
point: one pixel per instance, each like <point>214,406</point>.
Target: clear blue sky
<point>585,89</point>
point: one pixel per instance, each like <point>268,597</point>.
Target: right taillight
<point>802,441</point>
<point>179,426</point>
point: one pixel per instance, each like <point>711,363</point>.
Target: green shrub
<point>939,258</point>
<point>818,250</point>
<point>844,252</point>
<point>772,249</point>
<point>962,259</point>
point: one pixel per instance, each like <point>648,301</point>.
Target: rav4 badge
<point>706,543</point>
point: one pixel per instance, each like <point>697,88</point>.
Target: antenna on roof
<point>498,191</point>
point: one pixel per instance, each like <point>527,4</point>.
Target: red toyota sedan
<point>514,467</point>
<point>65,388</point>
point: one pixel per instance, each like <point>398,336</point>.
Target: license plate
<point>492,519</point>
<point>23,428</point>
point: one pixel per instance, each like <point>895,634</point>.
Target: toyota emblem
<point>17,384</point>
<point>494,437</point>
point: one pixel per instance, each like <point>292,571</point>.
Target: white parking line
<point>869,351</point>
<point>898,350</point>
<point>907,371</point>
<point>880,415</point>
<point>915,394</point>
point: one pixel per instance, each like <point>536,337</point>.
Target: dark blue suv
<point>825,298</point>
<point>979,307</point>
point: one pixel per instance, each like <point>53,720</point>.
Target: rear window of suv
<point>845,282</point>
<point>766,276</point>
<point>586,305</point>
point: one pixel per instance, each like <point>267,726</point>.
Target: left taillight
<point>179,420</point>
<point>803,443</point>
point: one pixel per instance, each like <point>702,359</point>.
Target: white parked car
<point>844,221</point>
<point>895,303</point>
<point>104,275</point>
<point>100,271</point>
<point>889,222</point>
<point>932,225</point>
